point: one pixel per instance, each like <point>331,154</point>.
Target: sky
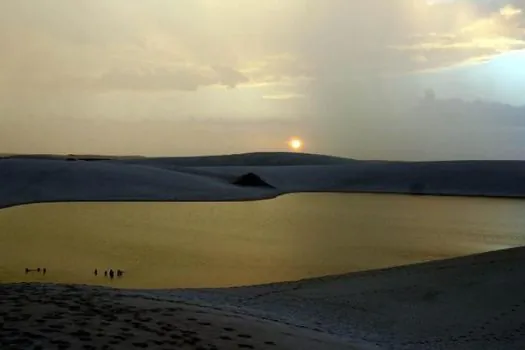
<point>192,77</point>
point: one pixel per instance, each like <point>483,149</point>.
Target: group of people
<point>107,273</point>
<point>38,269</point>
<point>111,273</point>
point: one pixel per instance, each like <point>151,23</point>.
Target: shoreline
<point>261,198</point>
<point>469,302</point>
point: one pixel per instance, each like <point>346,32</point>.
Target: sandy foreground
<point>36,316</point>
<point>474,302</point>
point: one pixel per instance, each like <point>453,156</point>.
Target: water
<point>163,245</point>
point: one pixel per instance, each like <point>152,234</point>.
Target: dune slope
<point>51,179</point>
<point>473,302</point>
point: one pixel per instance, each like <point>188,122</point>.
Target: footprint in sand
<point>58,326</point>
<point>166,328</point>
<point>172,342</point>
<point>192,341</point>
<point>60,343</point>
<point>50,330</point>
<point>140,345</point>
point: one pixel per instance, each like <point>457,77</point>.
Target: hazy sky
<point>186,77</point>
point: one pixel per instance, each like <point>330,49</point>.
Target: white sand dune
<point>31,179</point>
<point>474,302</point>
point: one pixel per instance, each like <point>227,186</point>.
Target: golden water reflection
<point>162,245</point>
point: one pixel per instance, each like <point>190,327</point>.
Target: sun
<point>295,144</point>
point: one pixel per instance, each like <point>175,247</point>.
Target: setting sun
<point>295,144</point>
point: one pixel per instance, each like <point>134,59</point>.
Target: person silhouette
<point>27,270</point>
<point>38,270</point>
<point>120,273</point>
<point>95,272</point>
<point>106,273</point>
<point>44,270</point>
<point>111,274</point>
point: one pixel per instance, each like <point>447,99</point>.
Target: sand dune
<point>31,179</point>
<point>474,302</point>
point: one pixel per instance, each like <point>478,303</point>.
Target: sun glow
<point>295,144</point>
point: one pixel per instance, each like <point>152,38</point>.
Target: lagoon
<point>212,244</point>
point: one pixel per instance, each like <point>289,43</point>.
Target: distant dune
<point>257,158</point>
<point>29,179</point>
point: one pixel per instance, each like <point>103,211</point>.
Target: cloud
<point>475,40</point>
<point>235,42</point>
<point>229,77</point>
<point>277,69</point>
<point>341,67</point>
<point>510,11</point>
<point>186,79</point>
<point>283,96</point>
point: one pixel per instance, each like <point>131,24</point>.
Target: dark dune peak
<point>251,180</point>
